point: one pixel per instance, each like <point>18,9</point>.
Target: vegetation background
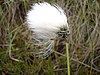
<point>84,40</point>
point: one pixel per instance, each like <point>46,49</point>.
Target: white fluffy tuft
<point>46,19</point>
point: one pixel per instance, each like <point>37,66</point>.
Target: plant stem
<point>68,59</point>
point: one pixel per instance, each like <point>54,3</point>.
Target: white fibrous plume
<point>46,21</point>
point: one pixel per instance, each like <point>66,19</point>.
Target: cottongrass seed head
<point>46,21</point>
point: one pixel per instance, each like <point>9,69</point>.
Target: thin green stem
<point>68,59</point>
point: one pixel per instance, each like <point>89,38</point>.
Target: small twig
<point>11,56</point>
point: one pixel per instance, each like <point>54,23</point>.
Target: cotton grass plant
<point>46,21</point>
